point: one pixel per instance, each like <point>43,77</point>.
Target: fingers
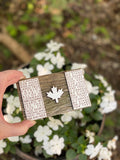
<point>16,129</point>
<point>12,76</point>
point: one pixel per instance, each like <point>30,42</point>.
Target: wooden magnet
<point>53,94</point>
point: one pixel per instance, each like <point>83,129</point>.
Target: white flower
<point>43,70</point>
<point>38,150</point>
<point>54,46</point>
<point>78,65</point>
<point>108,103</point>
<point>12,104</point>
<point>48,66</point>
<point>54,146</point>
<point>102,79</point>
<point>26,139</point>
<point>47,147</point>
<point>90,135</point>
<point>42,133</point>
<point>67,117</point>
<point>39,56</point>
<point>58,60</point>
<point>48,56</point>
<point>2,145</point>
<point>112,143</point>
<point>104,154</point>
<point>12,119</point>
<point>27,72</point>
<point>92,89</point>
<point>10,108</point>
<point>54,123</point>
<point>14,138</point>
<point>93,151</point>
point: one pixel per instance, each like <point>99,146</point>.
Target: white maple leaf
<point>55,94</point>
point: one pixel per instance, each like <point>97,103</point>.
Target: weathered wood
<point>35,102</point>
<point>57,80</point>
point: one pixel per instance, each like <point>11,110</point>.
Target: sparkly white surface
<point>77,89</point>
<point>32,99</point>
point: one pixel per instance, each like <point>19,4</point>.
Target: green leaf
<point>26,147</point>
<point>57,18</point>
<point>97,116</point>
<point>86,119</point>
<point>70,154</point>
<point>91,109</point>
<point>11,30</point>
<point>82,157</point>
<point>81,140</point>
<point>13,149</point>
<point>7,149</point>
<point>22,28</point>
<point>93,127</point>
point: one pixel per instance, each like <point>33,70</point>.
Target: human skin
<point>8,78</point>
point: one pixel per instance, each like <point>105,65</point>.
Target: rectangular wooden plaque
<point>67,91</point>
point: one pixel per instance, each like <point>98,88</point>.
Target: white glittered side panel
<point>32,99</point>
<point>77,89</point>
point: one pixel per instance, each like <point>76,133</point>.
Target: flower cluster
<point>70,134</point>
<point>103,153</point>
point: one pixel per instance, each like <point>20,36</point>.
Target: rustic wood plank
<point>36,104</point>
<point>57,80</point>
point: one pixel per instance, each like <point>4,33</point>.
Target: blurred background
<point>89,29</point>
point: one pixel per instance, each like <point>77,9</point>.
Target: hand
<point>7,78</point>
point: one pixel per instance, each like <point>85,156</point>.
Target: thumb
<point>17,129</point>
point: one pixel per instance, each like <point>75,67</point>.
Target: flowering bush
<point>69,135</point>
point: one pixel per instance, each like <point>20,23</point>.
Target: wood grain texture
<point>57,80</point>
<point>46,84</point>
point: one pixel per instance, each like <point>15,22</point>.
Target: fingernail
<point>23,77</point>
<point>32,123</point>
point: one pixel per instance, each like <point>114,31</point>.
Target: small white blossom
<point>78,65</point>
<point>12,104</point>
<point>48,56</point>
<point>54,146</point>
<point>2,145</point>
<point>42,70</point>
<point>67,117</point>
<point>93,151</point>
<point>104,154</point>
<point>9,118</point>
<point>48,66</point>
<point>14,138</point>
<point>58,60</point>
<point>54,46</point>
<point>102,79</point>
<point>39,56</point>
<point>54,123</point>
<point>92,89</point>
<point>112,143</point>
<point>38,150</point>
<point>42,133</point>
<point>12,119</point>
<point>90,135</point>
<point>27,72</point>
<point>108,103</point>
<point>26,139</point>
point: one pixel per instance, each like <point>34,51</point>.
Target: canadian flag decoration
<point>53,94</point>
